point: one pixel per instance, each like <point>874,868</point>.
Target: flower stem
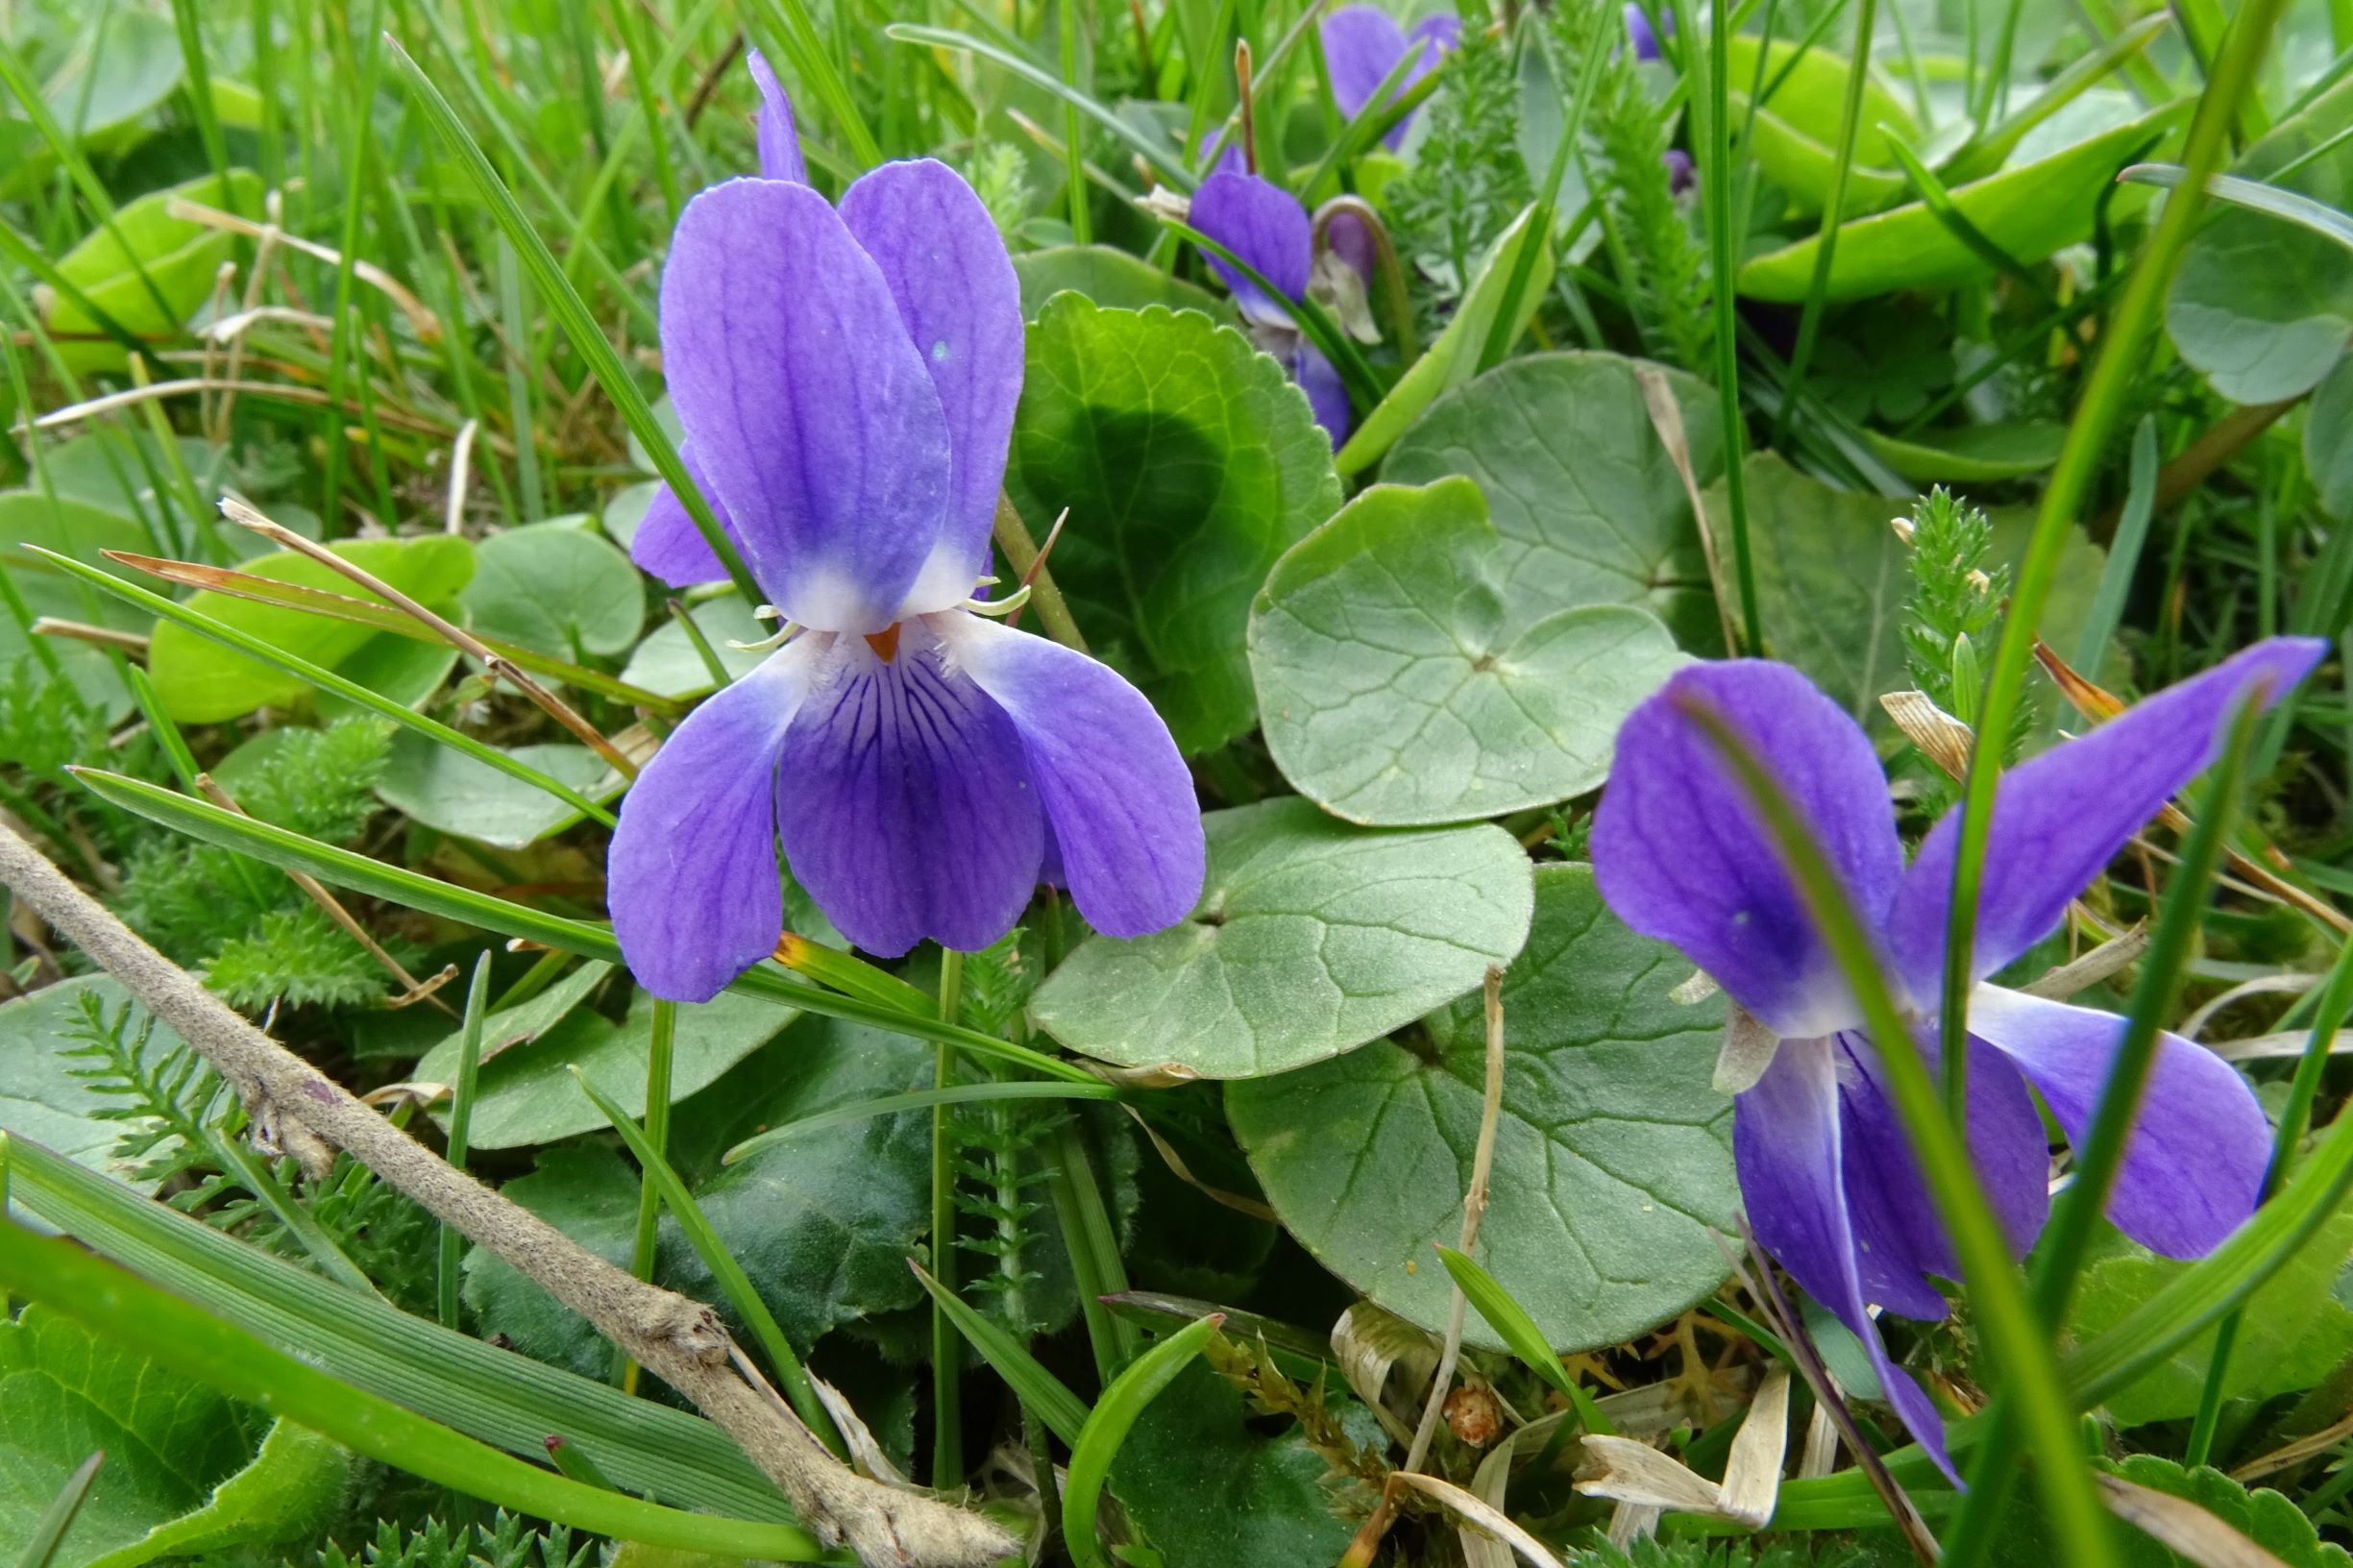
<point>946,1345</point>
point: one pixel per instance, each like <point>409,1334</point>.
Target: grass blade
<point>126,1310</point>
<point>59,1516</point>
<point>1509,1318</point>
<point>1165,163</point>
<point>1113,1416</point>
<point>508,1401</point>
<point>714,1252</point>
<point>2288,206</point>
<point>572,314</point>
<point>326,680</point>
<point>1062,1411</point>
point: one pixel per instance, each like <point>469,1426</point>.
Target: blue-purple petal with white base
<point>904,799</point>
<point>1125,835</point>
<point>961,304</point>
<point>1826,1169</point>
<point>691,875</point>
<point>807,404</point>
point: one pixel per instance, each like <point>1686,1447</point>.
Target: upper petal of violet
<point>805,401</point>
<point>779,139</point>
<point>690,877</point>
<point>2060,817</point>
<point>1118,800</point>
<point>1361,45</point>
<point>1681,856</point>
<point>1267,229</point>
<point>947,266</point>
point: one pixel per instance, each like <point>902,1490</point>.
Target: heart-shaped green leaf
<point>1588,503</point>
<point>1310,938</point>
<point>451,792</point>
<point>558,587</point>
<point>1188,463</point>
<point>1110,277</point>
<point>2261,307</point>
<point>1392,690</point>
<point>1612,1155</point>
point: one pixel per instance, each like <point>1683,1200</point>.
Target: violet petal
<point>2193,1167</point>
<point>1326,394</point>
<point>779,139</point>
<point>904,802</point>
<point>1361,45</point>
<point>2060,817</point>
<point>690,877</point>
<point>1786,1146</point>
<point>667,543</point>
<point>1681,856</point>
<point>1125,825</point>
<point>1267,229</point>
<point>946,264</point>
<point>1888,1195</point>
<point>811,411</point>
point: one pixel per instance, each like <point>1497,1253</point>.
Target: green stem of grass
<point>1849,127</point>
<point>946,1345</point>
<point>2105,394</point>
<point>461,1121</point>
<point>1711,103</point>
<point>658,1054</point>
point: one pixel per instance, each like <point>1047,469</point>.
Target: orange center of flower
<point>884,643</point>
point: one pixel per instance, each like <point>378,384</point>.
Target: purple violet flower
<point>1639,33</point>
<point>1266,227</point>
<point>1363,44</point>
<point>1827,1174</point>
<point>846,381</point>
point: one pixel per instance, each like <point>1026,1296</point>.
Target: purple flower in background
<point>1828,1179</point>
<point>1639,33</point>
<point>847,381</point>
<point>1679,172</point>
<point>1266,227</point>
<point>1363,46</point>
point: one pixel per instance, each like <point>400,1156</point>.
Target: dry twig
<point>678,1339</point>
